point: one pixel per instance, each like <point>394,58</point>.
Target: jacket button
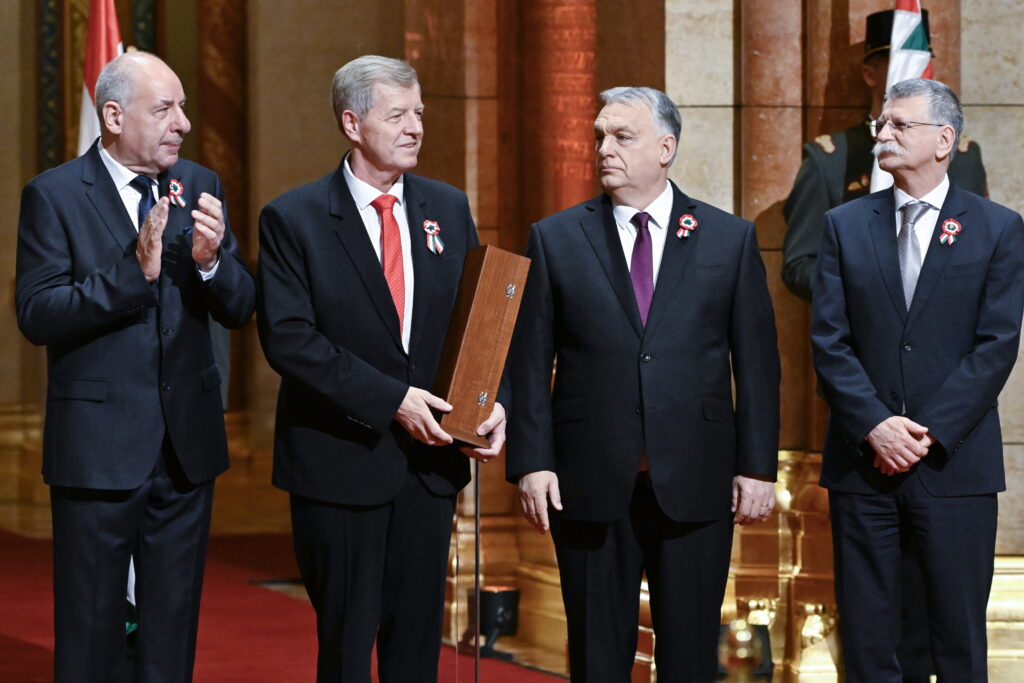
<point>166,331</point>
<point>165,386</point>
<point>646,357</point>
<point>893,395</point>
<point>639,410</point>
<point>907,347</point>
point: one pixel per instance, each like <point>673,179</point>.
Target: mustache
<point>890,147</point>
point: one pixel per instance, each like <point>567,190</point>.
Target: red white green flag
<point>102,44</point>
<point>909,54</point>
<point>909,57</point>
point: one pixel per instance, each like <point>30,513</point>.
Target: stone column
<point>993,97</point>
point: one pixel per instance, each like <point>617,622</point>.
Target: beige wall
<point>992,91</point>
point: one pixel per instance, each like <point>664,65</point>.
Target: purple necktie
<point>641,265</point>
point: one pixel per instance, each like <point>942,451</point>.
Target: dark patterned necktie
<point>146,202</point>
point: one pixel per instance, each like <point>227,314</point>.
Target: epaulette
<point>965,144</point>
<point>857,185</point>
<point>825,142</point>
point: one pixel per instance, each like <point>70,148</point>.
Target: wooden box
<point>478,338</point>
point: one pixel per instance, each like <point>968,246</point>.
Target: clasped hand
<point>899,443</point>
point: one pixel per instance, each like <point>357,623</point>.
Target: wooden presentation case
<point>478,338</point>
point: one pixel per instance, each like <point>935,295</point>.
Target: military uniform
<point>837,168</point>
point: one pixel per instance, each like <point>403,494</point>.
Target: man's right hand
<point>898,444</point>
<point>151,234</point>
<point>414,414</point>
<point>535,489</point>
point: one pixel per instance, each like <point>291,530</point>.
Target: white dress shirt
<point>925,225</point>
<point>363,194</point>
<point>130,197</point>
<point>660,211</point>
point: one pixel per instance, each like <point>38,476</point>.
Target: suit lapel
<point>675,260</point>
<point>177,236</point>
<point>882,226</point>
<point>424,262</point>
<point>350,230</point>
<point>599,227</point>
<point>106,200</point>
<point>938,254</point>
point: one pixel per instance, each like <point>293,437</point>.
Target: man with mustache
<point>357,281</point>
<point>837,168</point>
<point>124,255</point>
<point>642,458</point>
<point>916,322</point>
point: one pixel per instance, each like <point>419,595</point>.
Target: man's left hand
<point>927,441</point>
<point>752,499</point>
<point>494,429</point>
<point>207,231</point>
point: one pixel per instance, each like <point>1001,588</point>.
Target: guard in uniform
<point>836,168</point>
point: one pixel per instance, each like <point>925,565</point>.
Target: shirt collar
<point>121,175</point>
<point>936,198</point>
<point>660,210</point>
<point>363,193</point>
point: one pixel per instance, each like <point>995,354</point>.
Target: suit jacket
<point>622,388</point>
<point>127,360</point>
<point>330,329</point>
<point>945,360</point>
<point>836,169</point>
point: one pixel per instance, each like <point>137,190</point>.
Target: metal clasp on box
<point>481,400</point>
<point>510,291</point>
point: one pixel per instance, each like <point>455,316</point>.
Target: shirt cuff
<point>213,271</point>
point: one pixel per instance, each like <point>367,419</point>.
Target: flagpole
<point>476,569</point>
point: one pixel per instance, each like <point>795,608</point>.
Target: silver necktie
<point>909,248</point>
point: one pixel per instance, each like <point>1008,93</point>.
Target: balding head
<point>140,103</point>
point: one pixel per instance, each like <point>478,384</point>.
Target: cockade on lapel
<point>951,228</point>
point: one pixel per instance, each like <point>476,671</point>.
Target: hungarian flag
<point>102,44</point>
<point>909,57</point>
<point>909,54</point>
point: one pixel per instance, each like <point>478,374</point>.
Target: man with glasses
<point>917,311</point>
<point>837,168</point>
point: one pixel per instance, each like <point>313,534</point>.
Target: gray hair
<point>116,83</point>
<point>663,110</point>
<point>352,88</point>
<point>943,104</point>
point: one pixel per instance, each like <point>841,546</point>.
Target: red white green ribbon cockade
<point>687,224</point>
<point>950,229</point>
<point>433,231</point>
<point>175,189</point>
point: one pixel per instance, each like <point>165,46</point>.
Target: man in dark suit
<point>357,280</point>
<point>837,168</point>
<point>644,295</point>
<point>121,295</point>
<point>916,321</point>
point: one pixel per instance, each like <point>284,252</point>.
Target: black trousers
<point>166,522</point>
<point>601,566</point>
<point>376,573</point>
<point>955,540</point>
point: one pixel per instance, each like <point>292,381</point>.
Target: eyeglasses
<point>898,127</point>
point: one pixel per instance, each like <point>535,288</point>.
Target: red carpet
<point>247,633</point>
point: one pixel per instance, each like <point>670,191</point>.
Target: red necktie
<point>391,253</point>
